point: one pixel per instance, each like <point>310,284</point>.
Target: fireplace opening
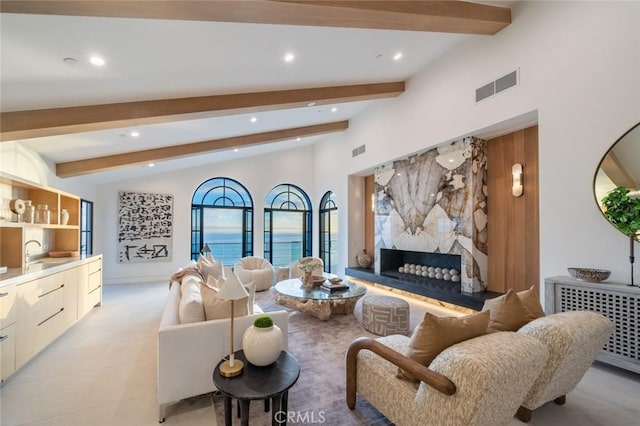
<point>432,269</point>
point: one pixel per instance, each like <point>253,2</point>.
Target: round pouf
<point>385,315</point>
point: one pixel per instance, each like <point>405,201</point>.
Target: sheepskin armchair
<point>573,340</point>
<point>255,269</point>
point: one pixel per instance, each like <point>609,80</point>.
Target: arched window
<point>287,225</point>
<point>329,232</point>
<point>222,218</point>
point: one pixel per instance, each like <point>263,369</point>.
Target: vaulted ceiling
<point>186,83</point>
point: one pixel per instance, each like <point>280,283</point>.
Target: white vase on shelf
<point>64,217</point>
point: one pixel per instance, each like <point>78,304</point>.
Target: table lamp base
<point>227,371</point>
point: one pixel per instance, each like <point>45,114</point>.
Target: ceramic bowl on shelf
<point>589,274</point>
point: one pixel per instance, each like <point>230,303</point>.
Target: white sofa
<point>188,353</point>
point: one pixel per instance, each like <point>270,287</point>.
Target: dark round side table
<point>271,382</point>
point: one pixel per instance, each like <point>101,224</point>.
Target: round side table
<point>271,382</point>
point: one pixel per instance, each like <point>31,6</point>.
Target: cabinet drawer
<point>48,330</point>
<point>8,350</point>
<point>48,284</point>
<point>94,297</point>
<point>95,280</point>
<point>49,304</point>
<point>95,266</point>
<point>7,305</point>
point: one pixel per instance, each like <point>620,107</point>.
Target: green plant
<point>263,321</point>
<point>622,211</point>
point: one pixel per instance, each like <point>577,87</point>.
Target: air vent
<point>357,151</point>
<point>497,86</point>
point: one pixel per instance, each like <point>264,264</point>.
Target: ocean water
<point>228,247</point>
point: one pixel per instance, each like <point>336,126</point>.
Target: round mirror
<point>617,183</point>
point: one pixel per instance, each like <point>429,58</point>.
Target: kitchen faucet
<point>26,250</point>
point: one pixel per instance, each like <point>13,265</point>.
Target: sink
<point>51,261</point>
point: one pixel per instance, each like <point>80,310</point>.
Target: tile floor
<point>102,371</point>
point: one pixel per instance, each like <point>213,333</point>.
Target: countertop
<point>43,267</point>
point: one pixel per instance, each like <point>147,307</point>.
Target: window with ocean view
<point>222,218</point>
<point>329,232</point>
<point>287,225</point>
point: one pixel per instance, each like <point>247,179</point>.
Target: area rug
<point>319,394</point>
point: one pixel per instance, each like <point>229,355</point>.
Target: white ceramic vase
<point>64,217</point>
<point>262,346</point>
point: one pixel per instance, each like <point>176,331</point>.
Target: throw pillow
<point>190,309</point>
<point>215,308</point>
<point>507,313</point>
<point>209,268</point>
<point>529,297</point>
<point>435,334</point>
<point>250,287</point>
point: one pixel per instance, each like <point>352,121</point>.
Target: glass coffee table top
<point>293,288</point>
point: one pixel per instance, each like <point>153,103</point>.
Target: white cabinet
<point>7,331</point>
<point>94,284</point>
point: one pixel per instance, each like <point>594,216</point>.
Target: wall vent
<point>357,151</point>
<point>497,86</point>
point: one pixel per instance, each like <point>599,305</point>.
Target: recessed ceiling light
<point>397,56</point>
<point>289,57</point>
<point>235,150</point>
<point>97,61</point>
<point>70,61</point>
<point>298,139</point>
<point>334,109</point>
<point>150,165</point>
<point>135,134</point>
<point>254,119</point>
<point>310,104</point>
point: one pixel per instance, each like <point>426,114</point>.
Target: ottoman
<point>385,315</point>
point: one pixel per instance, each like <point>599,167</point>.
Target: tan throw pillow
<point>215,308</point>
<point>435,334</point>
<point>190,309</point>
<point>250,287</point>
<point>532,301</point>
<point>508,312</point>
<point>210,268</point>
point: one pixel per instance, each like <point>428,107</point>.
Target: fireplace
<point>422,267</point>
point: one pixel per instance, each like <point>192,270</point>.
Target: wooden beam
<point>415,15</point>
<point>56,121</point>
<point>117,161</point>
<point>615,170</point>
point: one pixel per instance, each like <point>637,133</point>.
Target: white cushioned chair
<point>481,381</point>
<point>255,269</point>
<point>573,340</point>
<point>295,272</point>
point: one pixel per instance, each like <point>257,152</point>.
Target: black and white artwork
<point>145,226</point>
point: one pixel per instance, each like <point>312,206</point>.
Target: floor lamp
<point>232,290</point>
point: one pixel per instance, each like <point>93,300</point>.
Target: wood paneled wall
<point>369,230</point>
<point>513,222</point>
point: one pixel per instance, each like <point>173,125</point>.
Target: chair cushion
<point>190,308</point>
<point>508,312</point>
<point>435,334</point>
<point>529,297</point>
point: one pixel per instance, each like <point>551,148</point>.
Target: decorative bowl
<point>589,274</point>
<point>317,280</point>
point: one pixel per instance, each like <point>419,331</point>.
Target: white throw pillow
<point>211,268</point>
<point>250,287</point>
<point>191,308</point>
<point>215,308</point>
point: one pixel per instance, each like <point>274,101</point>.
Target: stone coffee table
<point>316,301</point>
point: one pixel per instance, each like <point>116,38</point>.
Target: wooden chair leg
<point>561,400</point>
<point>524,414</point>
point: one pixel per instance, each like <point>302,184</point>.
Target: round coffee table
<point>269,382</point>
<point>317,301</point>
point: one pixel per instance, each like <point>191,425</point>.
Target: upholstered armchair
<point>481,381</point>
<point>255,269</point>
<point>295,272</point>
<point>573,340</point>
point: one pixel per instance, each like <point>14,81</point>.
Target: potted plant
<point>623,212</point>
<point>262,342</point>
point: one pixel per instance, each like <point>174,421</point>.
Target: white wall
<point>579,65</point>
<point>258,174</point>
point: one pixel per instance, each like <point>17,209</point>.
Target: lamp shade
<point>232,289</point>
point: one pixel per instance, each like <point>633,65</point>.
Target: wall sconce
<point>373,202</point>
<point>516,172</point>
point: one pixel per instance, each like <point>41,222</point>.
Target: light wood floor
<point>103,372</point>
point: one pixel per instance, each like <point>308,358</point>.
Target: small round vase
<point>64,217</point>
<point>363,259</point>
<point>262,346</point>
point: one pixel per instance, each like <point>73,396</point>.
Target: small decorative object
<point>43,215</point>
<point>232,290</point>
<point>455,278</point>
<point>17,206</point>
<point>363,259</point>
<point>262,342</point>
<point>446,277</point>
<point>308,267</point>
<point>64,217</point>
<point>401,269</point>
<point>589,274</point>
<point>439,275</point>
<point>29,212</point>
<point>454,272</point>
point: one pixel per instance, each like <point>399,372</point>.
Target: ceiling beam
<point>118,161</point>
<point>416,15</point>
<point>15,125</point>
